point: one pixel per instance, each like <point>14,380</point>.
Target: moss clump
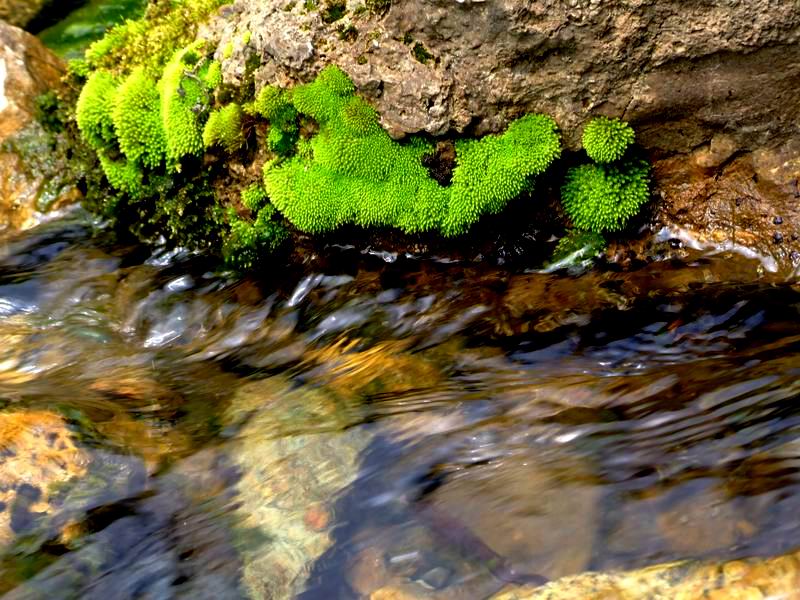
<point>333,11</point>
<point>606,140</point>
<point>213,76</point>
<point>254,197</point>
<point>602,198</point>
<point>185,101</point>
<point>93,111</point>
<point>354,172</point>
<point>421,53</point>
<point>274,104</point>
<point>150,41</point>
<point>137,120</point>
<point>224,128</point>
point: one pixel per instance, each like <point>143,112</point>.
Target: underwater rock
<point>33,177</point>
<point>752,579</point>
<point>294,459</point>
<point>37,451</point>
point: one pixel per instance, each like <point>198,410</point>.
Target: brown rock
<point>37,452</point>
<point>540,519</point>
<point>32,178</point>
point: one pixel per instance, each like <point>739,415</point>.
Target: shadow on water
<point>442,429</point>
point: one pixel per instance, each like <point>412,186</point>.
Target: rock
<point>294,459</point>
<point>680,76</point>
<point>20,12</point>
<point>34,177</point>
<point>754,579</point>
<point>710,90</point>
<point>541,517</point>
<point>37,451</point>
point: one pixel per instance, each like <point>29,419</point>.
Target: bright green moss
<point>224,128</point>
<point>184,101</point>
<point>355,173</point>
<point>94,110</point>
<point>227,51</point>
<point>213,77</point>
<point>137,119</point>
<point>603,197</point>
<point>254,197</point>
<point>122,175</point>
<point>606,140</point>
<point>491,171</point>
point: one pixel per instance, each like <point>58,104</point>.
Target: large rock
<point>33,175</point>
<point>711,88</point>
<point>680,73</point>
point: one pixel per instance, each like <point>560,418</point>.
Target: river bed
<point>371,420</point>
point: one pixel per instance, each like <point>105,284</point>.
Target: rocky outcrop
<point>34,171</point>
<point>711,88</point>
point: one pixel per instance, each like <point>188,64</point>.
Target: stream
<point>370,421</point>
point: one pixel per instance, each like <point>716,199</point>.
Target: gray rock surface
<point>680,72</point>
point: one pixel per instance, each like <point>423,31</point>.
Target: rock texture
<point>710,87</point>
<point>679,72</point>
<point>33,175</point>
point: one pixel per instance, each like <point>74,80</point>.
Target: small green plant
<point>421,53</point>
<point>224,128</point>
<point>251,241</point>
<point>604,197</point>
<point>353,172</point>
<point>577,249</point>
<point>606,140</point>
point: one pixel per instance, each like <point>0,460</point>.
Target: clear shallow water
<point>327,430</point>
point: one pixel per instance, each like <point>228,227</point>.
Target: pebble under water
<point>373,422</point>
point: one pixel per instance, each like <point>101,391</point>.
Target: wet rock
<point>20,12</point>
<point>37,451</point>
<point>293,456</point>
<point>754,579</point>
<point>541,517</point>
<point>33,177</point>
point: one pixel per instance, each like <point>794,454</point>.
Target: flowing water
<point>372,419</point>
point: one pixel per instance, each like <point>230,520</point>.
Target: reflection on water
<point>327,431</point>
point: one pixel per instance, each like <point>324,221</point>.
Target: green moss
<point>137,120</point>
<point>421,53</point>
<point>254,197</point>
<point>333,11</point>
<point>123,175</point>
<point>227,51</point>
<point>93,111</point>
<point>355,173</point>
<point>604,197</point>
<point>606,140</point>
<point>224,128</point>
<point>152,40</point>
<point>246,36</point>
<point>250,242</point>
<point>184,102</point>
<point>213,77</point>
